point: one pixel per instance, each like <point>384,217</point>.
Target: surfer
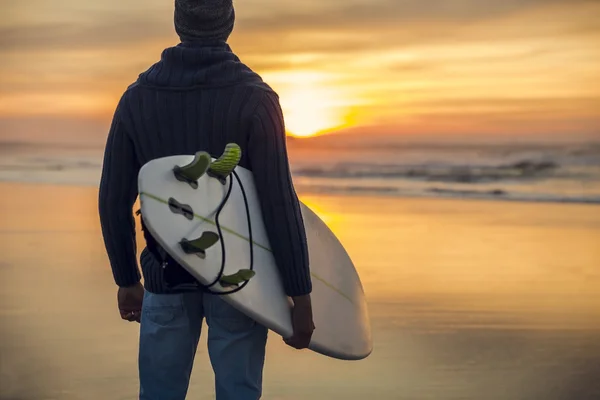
<point>200,96</point>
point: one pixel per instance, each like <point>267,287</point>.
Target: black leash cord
<point>223,252</point>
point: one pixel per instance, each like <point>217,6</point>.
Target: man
<point>199,96</point>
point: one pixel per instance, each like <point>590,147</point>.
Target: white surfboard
<point>339,307</point>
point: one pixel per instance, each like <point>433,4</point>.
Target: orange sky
<point>391,66</point>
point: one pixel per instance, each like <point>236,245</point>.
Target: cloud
<point>345,14</point>
<point>336,26</point>
<point>112,32</point>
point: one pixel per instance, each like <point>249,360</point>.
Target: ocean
<point>530,171</point>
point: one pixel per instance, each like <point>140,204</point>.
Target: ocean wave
<point>492,194</point>
<point>435,173</point>
<point>463,192</point>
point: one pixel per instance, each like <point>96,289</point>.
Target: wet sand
<point>468,299</point>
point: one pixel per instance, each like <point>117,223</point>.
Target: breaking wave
<point>436,173</point>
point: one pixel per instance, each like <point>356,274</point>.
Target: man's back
<point>199,96</point>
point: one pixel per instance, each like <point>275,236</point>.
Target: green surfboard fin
<point>200,245</point>
<point>235,279</point>
<point>224,165</point>
<point>193,171</point>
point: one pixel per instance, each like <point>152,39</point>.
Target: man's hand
<point>302,323</point>
<point>130,302</point>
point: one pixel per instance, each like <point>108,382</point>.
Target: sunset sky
<point>368,66</point>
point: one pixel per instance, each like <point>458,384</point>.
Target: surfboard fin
<point>235,279</point>
<point>224,165</point>
<point>193,171</point>
<point>200,245</point>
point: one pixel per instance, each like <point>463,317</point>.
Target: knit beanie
<point>199,20</point>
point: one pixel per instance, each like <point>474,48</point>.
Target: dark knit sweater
<point>199,97</point>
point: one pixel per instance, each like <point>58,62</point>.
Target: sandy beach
<point>469,299</point>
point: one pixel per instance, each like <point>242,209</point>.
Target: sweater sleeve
<point>117,195</point>
<point>279,203</point>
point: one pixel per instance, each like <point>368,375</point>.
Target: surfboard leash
<point>208,287</point>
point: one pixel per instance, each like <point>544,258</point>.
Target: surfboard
<point>200,209</point>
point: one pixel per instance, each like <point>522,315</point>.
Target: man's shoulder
<point>132,85</point>
<point>252,80</point>
<point>131,92</point>
<point>261,92</point>
<point>131,88</point>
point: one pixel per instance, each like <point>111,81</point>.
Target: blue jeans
<point>169,334</point>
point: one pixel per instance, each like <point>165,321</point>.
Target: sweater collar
<point>197,64</point>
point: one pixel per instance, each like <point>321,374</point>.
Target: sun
<point>310,106</point>
<point>307,113</point>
